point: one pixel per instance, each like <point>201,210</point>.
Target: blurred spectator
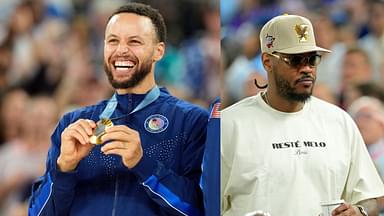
<point>368,112</point>
<point>23,160</point>
<point>370,88</point>
<point>357,14</point>
<point>79,86</point>
<point>356,70</point>
<point>242,67</point>
<point>373,42</point>
<point>323,92</point>
<point>202,59</point>
<point>21,26</point>
<point>13,104</point>
<point>356,67</point>
<point>51,52</point>
<point>5,58</point>
<point>329,71</point>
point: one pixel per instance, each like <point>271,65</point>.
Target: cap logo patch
<point>302,32</point>
<point>156,123</point>
<point>269,40</point>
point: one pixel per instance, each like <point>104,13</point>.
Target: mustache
<point>305,78</point>
<point>129,56</point>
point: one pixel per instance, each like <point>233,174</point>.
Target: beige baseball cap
<point>289,34</point>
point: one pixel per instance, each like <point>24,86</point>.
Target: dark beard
<point>138,75</point>
<point>286,91</point>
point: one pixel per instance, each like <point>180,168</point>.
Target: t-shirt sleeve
<point>363,181</point>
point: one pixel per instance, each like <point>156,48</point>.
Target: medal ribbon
<point>112,104</point>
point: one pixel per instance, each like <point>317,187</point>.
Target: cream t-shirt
<point>287,163</point>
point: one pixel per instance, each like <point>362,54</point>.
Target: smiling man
<point>286,152</point>
<point>138,153</point>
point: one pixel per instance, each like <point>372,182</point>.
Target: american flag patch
<point>215,112</point>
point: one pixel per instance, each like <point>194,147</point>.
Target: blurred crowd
<point>51,62</point>
<point>351,77</point>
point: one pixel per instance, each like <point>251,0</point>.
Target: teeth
<point>124,64</point>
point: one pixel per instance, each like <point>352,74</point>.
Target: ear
<point>267,62</point>
<point>159,51</point>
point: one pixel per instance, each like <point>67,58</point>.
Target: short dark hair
<point>147,11</point>
<point>358,50</point>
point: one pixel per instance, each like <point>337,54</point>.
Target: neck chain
<point>266,98</point>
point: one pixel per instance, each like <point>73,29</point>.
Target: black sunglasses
<point>299,60</point>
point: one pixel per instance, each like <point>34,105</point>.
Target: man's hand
<point>346,209</point>
<point>124,142</point>
<point>75,144</point>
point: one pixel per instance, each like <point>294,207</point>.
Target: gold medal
<point>99,131</point>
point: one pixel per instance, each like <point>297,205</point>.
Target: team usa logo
<point>156,123</point>
<point>269,41</point>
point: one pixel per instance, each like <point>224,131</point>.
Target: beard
<point>285,90</point>
<point>137,76</point>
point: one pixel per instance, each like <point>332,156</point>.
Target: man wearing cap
<point>286,152</point>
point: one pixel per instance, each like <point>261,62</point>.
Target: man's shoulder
<point>320,104</point>
<point>240,106</point>
<point>325,109</point>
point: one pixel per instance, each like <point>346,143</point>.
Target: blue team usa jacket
<point>210,178</point>
<point>164,182</point>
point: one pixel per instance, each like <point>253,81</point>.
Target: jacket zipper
<point>115,198</point>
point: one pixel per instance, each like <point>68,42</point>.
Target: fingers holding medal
<point>75,144</point>
<point>124,141</point>
<point>99,131</point>
<point>79,131</point>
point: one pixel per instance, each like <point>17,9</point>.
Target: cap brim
<point>303,49</point>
